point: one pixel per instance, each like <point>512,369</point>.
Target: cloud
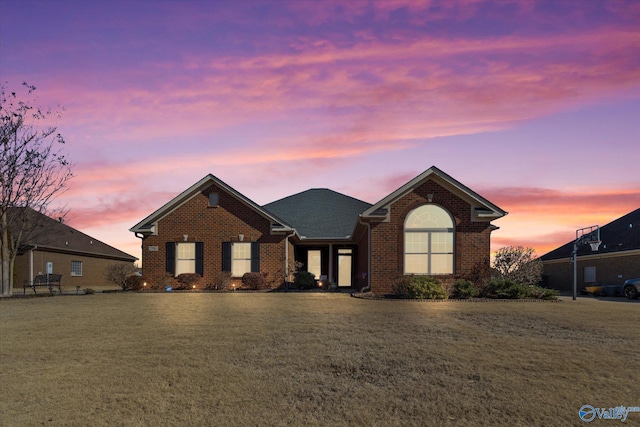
<point>545,218</point>
<point>415,87</point>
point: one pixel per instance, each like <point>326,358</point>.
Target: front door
<point>345,267</point>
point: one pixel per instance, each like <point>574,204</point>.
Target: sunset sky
<point>533,104</point>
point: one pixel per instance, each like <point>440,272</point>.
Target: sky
<point>535,105</point>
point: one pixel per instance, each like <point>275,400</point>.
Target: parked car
<point>631,288</point>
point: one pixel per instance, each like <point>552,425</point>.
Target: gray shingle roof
<point>623,234</point>
<point>319,213</point>
<point>55,235</point>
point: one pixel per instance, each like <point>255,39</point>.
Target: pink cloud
<point>471,95</point>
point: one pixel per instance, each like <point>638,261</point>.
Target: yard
<point>312,359</point>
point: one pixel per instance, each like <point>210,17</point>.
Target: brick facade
<point>213,226</point>
<point>471,238</point>
<point>377,244</point>
<point>558,274</point>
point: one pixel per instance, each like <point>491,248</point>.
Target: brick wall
<point>213,226</point>
<point>558,274</point>
<point>472,239</point>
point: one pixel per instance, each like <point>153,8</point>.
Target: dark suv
<point>631,288</point>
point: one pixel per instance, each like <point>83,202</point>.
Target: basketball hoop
<point>595,245</point>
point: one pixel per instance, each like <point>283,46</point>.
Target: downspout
<point>141,237</point>
<point>31,263</point>
<point>286,259</point>
<point>367,288</point>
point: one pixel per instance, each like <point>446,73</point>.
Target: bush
<point>134,283</point>
<point>400,286</point>
<point>187,281</point>
<point>118,273</point>
<point>304,280</point>
<point>539,292</point>
<point>254,281</point>
<point>518,264</point>
<point>88,291</point>
<point>506,289</point>
<point>419,287</point>
<point>464,289</point>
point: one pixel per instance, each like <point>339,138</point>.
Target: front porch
<point>335,263</point>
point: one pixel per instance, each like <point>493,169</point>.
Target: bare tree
<point>518,264</point>
<point>118,273</point>
<point>33,170</point>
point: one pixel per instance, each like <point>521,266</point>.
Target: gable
<point>481,209</point>
<point>148,226</point>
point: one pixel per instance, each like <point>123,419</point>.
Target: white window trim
<point>178,267</point>
<point>430,232</point>
<point>234,260</point>
<point>73,273</point>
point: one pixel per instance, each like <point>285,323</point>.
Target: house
<point>432,225</point>
<point>53,247</point>
<point>616,260</point>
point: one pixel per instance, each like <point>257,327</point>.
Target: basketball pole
<point>581,238</point>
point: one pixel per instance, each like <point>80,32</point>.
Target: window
<point>185,258</point>
<point>76,268</point>
<point>241,259</point>
<point>428,241</point>
<point>589,275</point>
<point>214,199</point>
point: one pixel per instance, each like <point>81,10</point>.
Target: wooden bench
<point>48,280</point>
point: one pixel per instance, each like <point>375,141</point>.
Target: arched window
<point>428,241</point>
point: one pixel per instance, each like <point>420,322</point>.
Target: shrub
<point>134,283</point>
<point>88,291</point>
<point>400,286</point>
<point>254,281</point>
<point>539,292</point>
<point>160,281</point>
<point>187,281</point>
<point>464,289</point>
<point>222,281</point>
<point>118,273</point>
<point>423,287</point>
<point>304,280</point>
<point>518,264</point>
<point>506,289</point>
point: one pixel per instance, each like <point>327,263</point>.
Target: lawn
<point>243,359</point>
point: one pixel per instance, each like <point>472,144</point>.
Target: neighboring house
<point>616,260</point>
<point>56,248</point>
<point>432,225</point>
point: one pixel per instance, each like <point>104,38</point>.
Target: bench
<point>48,280</point>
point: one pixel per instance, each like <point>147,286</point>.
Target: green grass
<point>312,359</point>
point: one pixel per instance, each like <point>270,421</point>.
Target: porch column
<point>331,263</point>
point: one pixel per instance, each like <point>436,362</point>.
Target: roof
<point>622,234</point>
<point>319,213</point>
<point>147,224</point>
<point>484,209</point>
<point>54,235</point>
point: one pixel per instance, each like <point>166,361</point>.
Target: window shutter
<point>200,258</point>
<point>170,252</point>
<point>226,256</point>
<point>255,257</point>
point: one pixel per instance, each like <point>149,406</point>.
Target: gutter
<point>286,256</point>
